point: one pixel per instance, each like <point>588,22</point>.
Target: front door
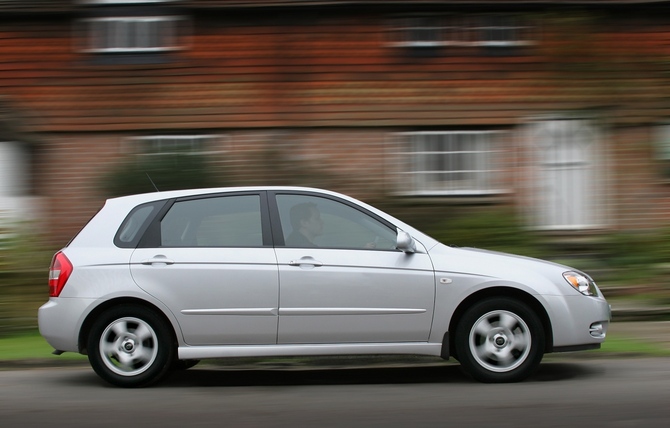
<point>343,281</point>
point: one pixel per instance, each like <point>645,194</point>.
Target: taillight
<point>59,272</point>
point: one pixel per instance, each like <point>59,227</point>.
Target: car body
<point>161,280</point>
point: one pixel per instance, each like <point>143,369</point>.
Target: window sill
<point>442,198</point>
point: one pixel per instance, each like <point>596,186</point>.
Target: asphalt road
<point>564,393</point>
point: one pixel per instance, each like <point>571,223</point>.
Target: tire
<point>184,364</point>
<point>130,346</point>
<point>499,340</point>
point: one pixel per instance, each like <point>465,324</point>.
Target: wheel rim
<point>500,341</point>
<point>128,346</point>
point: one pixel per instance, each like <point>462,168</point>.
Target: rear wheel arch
<point>85,330</point>
<point>506,292</point>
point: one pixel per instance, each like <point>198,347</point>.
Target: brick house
<point>557,108</point>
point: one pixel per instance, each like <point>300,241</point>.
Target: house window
<point>173,144</point>
<point>662,149</point>
<point>450,163</point>
<point>127,31</point>
<point>461,31</point>
<point>117,2</point>
<point>130,34</point>
<point>500,31</point>
<point>419,32</point>
<point>15,203</point>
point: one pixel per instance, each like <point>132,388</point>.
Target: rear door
<point>210,260</point>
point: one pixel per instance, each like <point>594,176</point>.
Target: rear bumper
<point>60,320</point>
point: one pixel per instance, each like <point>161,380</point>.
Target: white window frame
<point>471,155</point>
<point>122,2</point>
<point>404,31</point>
<point>157,145</point>
<point>110,34</point>
<point>662,150</point>
<point>505,24</point>
<point>461,31</point>
<point>662,142</point>
<point>16,204</point>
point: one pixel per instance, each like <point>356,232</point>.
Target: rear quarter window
<point>135,224</point>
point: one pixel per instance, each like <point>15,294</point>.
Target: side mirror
<point>405,242</point>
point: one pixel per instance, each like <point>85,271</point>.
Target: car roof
<point>155,196</point>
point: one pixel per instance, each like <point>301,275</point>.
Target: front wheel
<point>499,340</point>
<point>130,346</point>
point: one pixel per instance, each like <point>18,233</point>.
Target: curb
<point>651,313</point>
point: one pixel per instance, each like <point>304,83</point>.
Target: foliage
<point>166,171</point>
<point>21,248</point>
<point>642,257</point>
<point>493,229</point>
<point>24,262</point>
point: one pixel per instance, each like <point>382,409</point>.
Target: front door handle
<point>305,261</point>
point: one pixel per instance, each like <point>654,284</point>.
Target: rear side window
<point>135,224</point>
<point>226,221</point>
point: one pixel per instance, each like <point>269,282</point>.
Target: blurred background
<point>537,129</point>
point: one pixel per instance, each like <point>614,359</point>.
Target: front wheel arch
<point>501,292</point>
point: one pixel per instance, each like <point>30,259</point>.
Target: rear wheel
<point>499,340</point>
<point>130,346</point>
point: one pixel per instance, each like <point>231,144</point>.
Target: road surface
<point>633,392</point>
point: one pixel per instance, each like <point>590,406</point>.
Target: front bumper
<point>578,322</point>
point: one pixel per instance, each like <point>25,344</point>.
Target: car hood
<point>508,267</point>
<point>513,258</point>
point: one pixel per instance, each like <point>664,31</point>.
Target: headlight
<point>581,283</point>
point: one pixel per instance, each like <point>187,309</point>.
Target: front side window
<point>228,221</point>
<point>450,163</point>
<point>310,221</point>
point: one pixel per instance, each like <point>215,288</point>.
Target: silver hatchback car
<point>162,280</point>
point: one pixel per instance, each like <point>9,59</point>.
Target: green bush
<point>166,171</point>
<point>24,264</point>
<point>491,229</point>
<point>640,257</point>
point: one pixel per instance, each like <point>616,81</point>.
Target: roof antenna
<point>152,182</point>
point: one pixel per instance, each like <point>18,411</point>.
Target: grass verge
<point>30,346</point>
<point>616,344</point>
